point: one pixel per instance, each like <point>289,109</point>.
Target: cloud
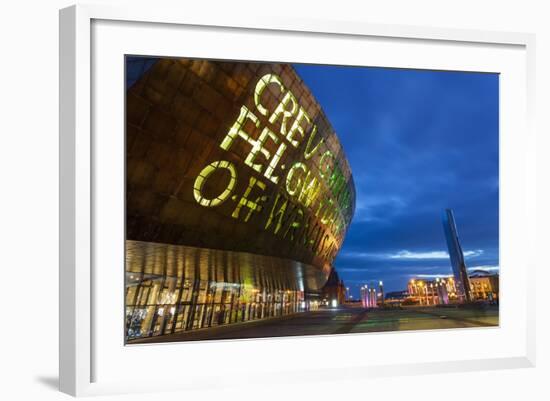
<point>484,267</point>
<point>408,255</point>
<point>473,254</point>
<point>419,255</point>
<point>432,254</point>
<point>433,275</point>
<point>470,269</point>
<point>355,269</point>
<point>371,207</point>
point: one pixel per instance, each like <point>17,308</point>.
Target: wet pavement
<point>345,319</point>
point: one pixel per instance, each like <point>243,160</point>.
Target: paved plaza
<point>345,319</point>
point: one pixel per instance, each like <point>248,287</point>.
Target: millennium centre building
<point>238,194</point>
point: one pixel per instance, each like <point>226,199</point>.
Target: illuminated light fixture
<point>334,303</point>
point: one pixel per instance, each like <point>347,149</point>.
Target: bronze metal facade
<point>239,161</point>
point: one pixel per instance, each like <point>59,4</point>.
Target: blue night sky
<point>418,142</point>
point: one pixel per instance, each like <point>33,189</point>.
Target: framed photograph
<point>246,196</point>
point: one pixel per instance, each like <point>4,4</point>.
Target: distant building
<point>484,285</point>
<point>395,298</point>
<point>432,292</point>
<point>396,295</point>
<point>457,257</point>
<point>334,290</point>
<point>443,290</point>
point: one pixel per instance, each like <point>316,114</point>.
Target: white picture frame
<point>85,355</point>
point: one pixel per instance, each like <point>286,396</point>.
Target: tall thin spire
<point>457,256</point>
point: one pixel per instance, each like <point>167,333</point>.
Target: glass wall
<point>168,290</point>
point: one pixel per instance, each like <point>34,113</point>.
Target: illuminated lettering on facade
<point>310,180</point>
<point>203,176</point>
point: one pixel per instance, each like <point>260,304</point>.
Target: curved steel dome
<point>237,157</point>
